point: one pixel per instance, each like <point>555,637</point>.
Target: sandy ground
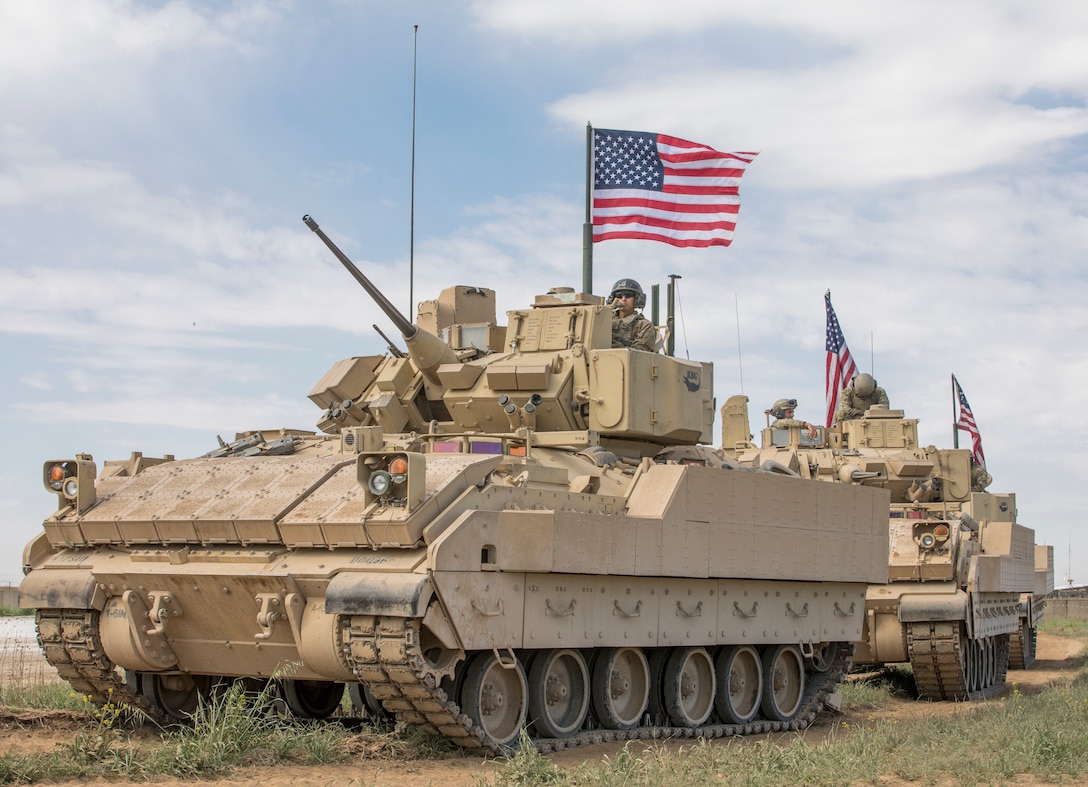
<point>31,731</point>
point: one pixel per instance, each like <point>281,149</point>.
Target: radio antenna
<point>740,363</point>
<point>412,199</point>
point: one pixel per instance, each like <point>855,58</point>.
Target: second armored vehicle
<point>963,595</point>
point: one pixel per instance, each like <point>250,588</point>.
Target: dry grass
<point>26,680</point>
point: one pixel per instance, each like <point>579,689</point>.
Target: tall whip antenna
<point>740,363</point>
<point>412,204</point>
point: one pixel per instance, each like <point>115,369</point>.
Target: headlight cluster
<point>394,479</point>
<point>61,477</point>
<point>931,535</point>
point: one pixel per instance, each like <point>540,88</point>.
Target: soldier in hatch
<point>629,327</point>
<point>783,411</point>
<point>980,479</point>
<point>859,396</point>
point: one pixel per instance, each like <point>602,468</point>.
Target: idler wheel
<point>493,696</point>
<point>783,682</point>
<point>558,692</point>
<point>739,684</point>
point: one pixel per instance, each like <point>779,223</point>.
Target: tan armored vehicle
<point>505,528</point>
<point>965,581</point>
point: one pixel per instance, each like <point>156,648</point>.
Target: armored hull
<point>584,600</point>
<point>965,581</point>
<point>501,530</point>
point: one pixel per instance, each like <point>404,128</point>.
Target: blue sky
<point>925,161</point>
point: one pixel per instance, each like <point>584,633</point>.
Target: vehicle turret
<point>555,379</point>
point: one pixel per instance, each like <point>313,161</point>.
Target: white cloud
<point>57,36</point>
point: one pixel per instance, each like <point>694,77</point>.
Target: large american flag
<point>656,187</point>
<point>839,368</point>
<point>966,422</point>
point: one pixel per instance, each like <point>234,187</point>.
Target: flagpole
<point>587,228</point>
<point>955,428</point>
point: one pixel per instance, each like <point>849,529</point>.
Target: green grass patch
<point>40,695</point>
<point>1064,627</point>
<point>14,612</point>
<point>234,728</point>
<point>873,690</point>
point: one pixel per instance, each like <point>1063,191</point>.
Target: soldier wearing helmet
<point>782,410</point>
<point>859,396</point>
<point>629,327</point>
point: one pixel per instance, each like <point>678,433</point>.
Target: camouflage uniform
<point>634,331</point>
<point>980,479</point>
<point>786,423</point>
<point>853,405</point>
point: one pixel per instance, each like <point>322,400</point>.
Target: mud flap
<point>398,595</point>
<point>923,607</point>
<point>59,589</point>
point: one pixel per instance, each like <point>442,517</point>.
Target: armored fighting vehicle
<point>503,528</point>
<point>965,581</point>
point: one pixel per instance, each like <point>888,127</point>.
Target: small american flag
<point>655,187</point>
<point>966,422</point>
<point>839,368</point>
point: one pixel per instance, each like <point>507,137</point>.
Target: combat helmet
<point>624,285</point>
<point>778,409</point>
<point>864,385</point>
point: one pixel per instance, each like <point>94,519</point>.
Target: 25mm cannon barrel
<point>404,325</point>
<point>426,350</point>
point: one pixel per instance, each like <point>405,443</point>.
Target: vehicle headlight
<point>71,488</point>
<point>380,483</point>
<point>928,541</point>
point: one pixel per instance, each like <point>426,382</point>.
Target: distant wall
<point>9,596</point>
<point>1071,608</point>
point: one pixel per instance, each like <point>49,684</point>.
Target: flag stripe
<point>683,202</point>
<point>839,366</point>
<point>657,187</point>
<point>666,223</point>
<point>683,238</point>
<point>654,207</point>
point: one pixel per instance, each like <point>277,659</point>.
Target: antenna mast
<point>412,203</point>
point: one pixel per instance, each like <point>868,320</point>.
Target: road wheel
<point>739,684</point>
<point>783,682</point>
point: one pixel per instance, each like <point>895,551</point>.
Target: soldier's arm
<point>646,338</point>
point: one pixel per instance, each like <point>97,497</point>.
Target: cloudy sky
<point>925,161</point>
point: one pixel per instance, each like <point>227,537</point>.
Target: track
<point>70,641</point>
<point>949,666</point>
<point>385,654</point>
<point>1022,646</point>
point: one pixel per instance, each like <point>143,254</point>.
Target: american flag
<point>966,422</point>
<point>839,367</point>
<point>656,187</point>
